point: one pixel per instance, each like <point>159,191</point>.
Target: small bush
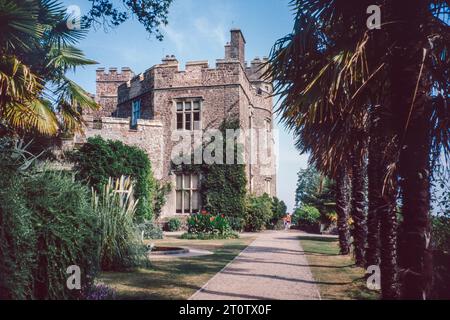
<point>207,224</point>
<point>160,197</point>
<point>174,224</point>
<point>99,292</point>
<point>209,236</point>
<point>279,225</point>
<point>150,230</point>
<point>120,244</point>
<point>259,212</point>
<point>307,218</point>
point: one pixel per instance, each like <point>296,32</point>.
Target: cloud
<point>214,31</point>
<point>178,38</point>
<point>194,25</point>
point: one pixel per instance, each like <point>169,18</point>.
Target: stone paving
<point>273,267</point>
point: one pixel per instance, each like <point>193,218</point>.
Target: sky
<point>198,30</point>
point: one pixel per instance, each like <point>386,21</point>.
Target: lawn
<point>336,275</point>
<point>177,278</point>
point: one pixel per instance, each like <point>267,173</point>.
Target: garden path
<point>272,267</point>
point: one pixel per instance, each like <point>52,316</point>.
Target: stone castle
<point>145,109</point>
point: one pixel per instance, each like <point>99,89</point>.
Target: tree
<point>150,13</point>
<point>308,181</point>
<point>332,67</point>
<point>37,49</point>
<point>279,210</point>
<point>315,190</point>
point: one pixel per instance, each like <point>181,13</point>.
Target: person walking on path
<point>287,221</point>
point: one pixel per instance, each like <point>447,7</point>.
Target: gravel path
<point>273,267</point>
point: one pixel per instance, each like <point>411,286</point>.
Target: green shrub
<point>17,240</point>
<point>259,212</point>
<point>209,236</point>
<point>207,224</point>
<point>279,225</point>
<point>65,231</point>
<point>307,218</point>
<point>46,225</point>
<point>174,224</point>
<point>160,197</point>
<point>120,244</point>
<point>98,160</point>
<point>150,230</point>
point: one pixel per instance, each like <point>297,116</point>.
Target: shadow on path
<point>230,272</point>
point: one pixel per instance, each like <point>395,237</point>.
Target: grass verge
<point>178,278</point>
<point>336,275</point>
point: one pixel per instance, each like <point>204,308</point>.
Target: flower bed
<point>205,226</point>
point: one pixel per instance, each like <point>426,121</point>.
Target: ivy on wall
<point>99,159</point>
<point>223,186</point>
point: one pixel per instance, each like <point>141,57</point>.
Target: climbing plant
<point>99,159</point>
<point>223,186</point>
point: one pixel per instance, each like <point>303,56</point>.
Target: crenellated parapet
<point>107,83</point>
<point>113,75</point>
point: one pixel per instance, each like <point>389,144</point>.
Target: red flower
<point>222,216</point>
<point>204,212</point>
<point>211,219</point>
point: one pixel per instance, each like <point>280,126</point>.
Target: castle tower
<point>236,48</point>
<point>106,89</point>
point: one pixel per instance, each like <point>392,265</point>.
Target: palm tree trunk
<point>374,172</point>
<point>413,130</point>
<point>388,242</point>
<point>416,260</point>
<point>382,216</point>
<point>358,205</point>
<point>342,210</point>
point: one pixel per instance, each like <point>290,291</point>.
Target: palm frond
<point>17,82</point>
<point>67,57</point>
<point>18,23</point>
<point>74,95</point>
<point>36,115</point>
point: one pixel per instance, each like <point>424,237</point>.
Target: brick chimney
<point>236,48</point>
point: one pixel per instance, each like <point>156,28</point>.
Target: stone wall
<point>147,136</point>
<point>107,84</point>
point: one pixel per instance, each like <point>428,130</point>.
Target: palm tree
<point>419,84</point>
<point>339,68</point>
<point>308,70</point>
<point>36,49</point>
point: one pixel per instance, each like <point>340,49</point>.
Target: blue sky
<point>198,30</point>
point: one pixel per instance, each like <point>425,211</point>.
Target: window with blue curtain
<point>135,112</point>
